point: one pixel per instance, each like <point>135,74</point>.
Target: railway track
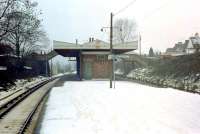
<point>19,90</point>
<point>26,123</point>
<point>7,108</point>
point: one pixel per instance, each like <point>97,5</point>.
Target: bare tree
<point>5,8</point>
<point>36,42</point>
<point>27,33</point>
<point>124,30</point>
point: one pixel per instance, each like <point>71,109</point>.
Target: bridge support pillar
<point>78,66</point>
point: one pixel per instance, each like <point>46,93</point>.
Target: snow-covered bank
<point>22,84</point>
<point>189,83</point>
<point>91,107</point>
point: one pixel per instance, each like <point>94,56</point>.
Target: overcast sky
<point>161,23</point>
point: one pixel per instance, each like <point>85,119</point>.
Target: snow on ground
<point>119,72</point>
<point>21,84</point>
<point>66,73</point>
<point>91,107</point>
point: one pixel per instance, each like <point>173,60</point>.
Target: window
<point>101,58</point>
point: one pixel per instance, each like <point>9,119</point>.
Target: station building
<point>92,58</point>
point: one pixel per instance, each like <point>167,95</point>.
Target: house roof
<point>195,40</point>
<point>180,46</point>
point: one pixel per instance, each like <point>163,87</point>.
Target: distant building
<point>178,49</point>
<point>193,45</point>
<point>190,46</point>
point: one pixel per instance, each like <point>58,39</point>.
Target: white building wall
<point>190,48</point>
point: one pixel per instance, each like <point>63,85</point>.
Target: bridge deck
<point>96,45</point>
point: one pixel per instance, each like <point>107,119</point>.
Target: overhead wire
<point>157,9</point>
<point>124,8</point>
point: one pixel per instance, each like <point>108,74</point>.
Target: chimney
<point>76,41</point>
<point>90,39</point>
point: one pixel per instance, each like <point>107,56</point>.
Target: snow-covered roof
<point>195,40</point>
<point>180,46</point>
<point>94,45</point>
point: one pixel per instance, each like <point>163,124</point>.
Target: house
<point>190,46</point>
<point>178,49</point>
<point>193,45</point>
<point>92,58</point>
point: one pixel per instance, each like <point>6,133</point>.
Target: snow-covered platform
<point>91,107</point>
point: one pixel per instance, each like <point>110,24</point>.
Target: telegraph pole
<point>51,71</point>
<point>140,44</point>
<point>46,63</point>
<point>111,48</point>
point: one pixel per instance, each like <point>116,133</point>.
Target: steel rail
<point>3,98</point>
<point>26,123</point>
<point>14,93</point>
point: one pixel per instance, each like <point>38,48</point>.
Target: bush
<point>194,87</point>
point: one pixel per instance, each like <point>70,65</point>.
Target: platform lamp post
<point>111,46</point>
<point>51,62</point>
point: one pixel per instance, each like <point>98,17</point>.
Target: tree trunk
<point>17,49</point>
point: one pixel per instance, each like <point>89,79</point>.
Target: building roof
<point>180,47</point>
<point>96,45</point>
<point>195,40</point>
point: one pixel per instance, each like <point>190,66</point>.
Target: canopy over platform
<point>92,57</point>
<point>73,49</point>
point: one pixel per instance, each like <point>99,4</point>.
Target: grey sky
<point>160,22</point>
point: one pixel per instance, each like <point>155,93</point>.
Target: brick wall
<point>100,66</point>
